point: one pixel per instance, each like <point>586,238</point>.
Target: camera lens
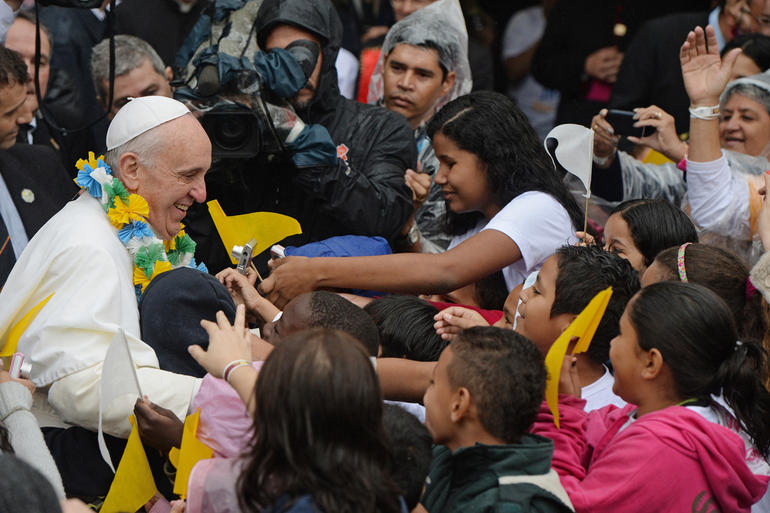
<point>232,132</point>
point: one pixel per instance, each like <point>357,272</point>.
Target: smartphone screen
<point>622,122</point>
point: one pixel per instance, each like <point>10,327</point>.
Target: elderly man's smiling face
<point>172,178</point>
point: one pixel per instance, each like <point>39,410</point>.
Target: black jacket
<point>364,193</point>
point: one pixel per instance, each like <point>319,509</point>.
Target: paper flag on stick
<point>191,452</point>
<point>583,327</point>
<point>574,151</point>
<point>118,379</point>
<point>20,327</point>
<point>133,484</point>
<point>267,228</point>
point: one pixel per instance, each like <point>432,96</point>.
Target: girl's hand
<point>605,140</point>
<point>226,343</point>
<point>664,139</point>
<point>242,290</point>
<point>419,183</point>
<point>289,277</point>
<point>451,321</point>
<point>705,74</point>
<point>569,379</point>
<point>5,377</point>
<point>585,239</point>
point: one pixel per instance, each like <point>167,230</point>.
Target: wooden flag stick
<point>585,219</point>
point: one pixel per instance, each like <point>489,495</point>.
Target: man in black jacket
<point>362,193</point>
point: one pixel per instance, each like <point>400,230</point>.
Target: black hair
<point>12,68</point>
<point>23,489</point>
<point>726,275</point>
<point>411,445</point>
<point>505,375</point>
<point>585,271</point>
<point>5,440</point>
<point>406,329</point>
<point>754,46</point>
<point>318,428</point>
<point>695,333</point>
<point>330,310</point>
<point>491,291</point>
<point>655,225</point>
<point>492,127</point>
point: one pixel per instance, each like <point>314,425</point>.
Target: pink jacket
<point>669,460</point>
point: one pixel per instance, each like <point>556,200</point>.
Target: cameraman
<point>362,193</point>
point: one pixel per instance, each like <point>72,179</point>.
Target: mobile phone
<point>622,122</point>
<point>243,255</point>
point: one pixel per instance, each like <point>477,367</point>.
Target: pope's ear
<point>128,170</point>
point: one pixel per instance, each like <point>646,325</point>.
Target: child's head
<point>718,270</point>
<point>682,336</point>
<point>406,328</point>
<point>489,154</point>
<point>566,283</point>
<point>640,229</point>
<point>323,309</point>
<point>489,381</point>
<point>411,445</point>
<point>318,427</point>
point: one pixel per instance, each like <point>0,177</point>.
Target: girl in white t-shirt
<point>506,203</point>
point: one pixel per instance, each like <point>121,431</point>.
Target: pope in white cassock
<point>97,253</point>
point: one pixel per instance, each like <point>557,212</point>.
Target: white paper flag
<point>574,151</point>
<point>118,378</point>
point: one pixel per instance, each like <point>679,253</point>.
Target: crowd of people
<point>391,355</point>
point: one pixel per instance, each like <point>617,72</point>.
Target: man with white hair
<point>95,257</point>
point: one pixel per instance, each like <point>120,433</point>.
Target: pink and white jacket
<point>669,460</point>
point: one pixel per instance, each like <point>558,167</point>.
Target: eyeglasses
<point>763,20</point>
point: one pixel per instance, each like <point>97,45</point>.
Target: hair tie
<point>680,263</point>
<point>750,288</point>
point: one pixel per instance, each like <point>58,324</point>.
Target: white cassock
<point>77,255</point>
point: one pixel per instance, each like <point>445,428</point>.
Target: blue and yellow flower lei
<point>128,213</point>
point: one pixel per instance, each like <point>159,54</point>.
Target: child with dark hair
<point>318,444</point>
<point>482,400</point>
<point>406,329</point>
<point>676,349</point>
<point>563,288</point>
<point>411,445</point>
<point>639,229</point>
<point>720,271</point>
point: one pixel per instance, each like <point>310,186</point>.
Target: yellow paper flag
<point>191,452</point>
<point>133,484</point>
<point>267,228</point>
<point>18,330</point>
<point>583,327</point>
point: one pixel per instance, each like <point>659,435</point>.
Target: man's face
<point>413,82</point>
<point>174,179</point>
<point>21,39</point>
<point>280,37</point>
<point>14,111</point>
<point>403,8</point>
<point>140,81</point>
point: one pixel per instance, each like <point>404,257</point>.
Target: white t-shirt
<point>537,223</point>
<point>599,393</point>
<point>539,103</point>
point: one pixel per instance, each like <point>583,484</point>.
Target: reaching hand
<point>419,183</point>
<point>705,74</point>
<point>242,290</point>
<point>569,379</point>
<point>158,427</point>
<point>664,139</point>
<point>5,376</point>
<point>227,343</point>
<point>605,140</point>
<point>289,277</point>
<point>451,321</point>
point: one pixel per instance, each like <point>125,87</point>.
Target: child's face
<point>535,321</point>
<point>462,178</point>
<point>618,240</point>
<point>626,358</point>
<point>438,401</point>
